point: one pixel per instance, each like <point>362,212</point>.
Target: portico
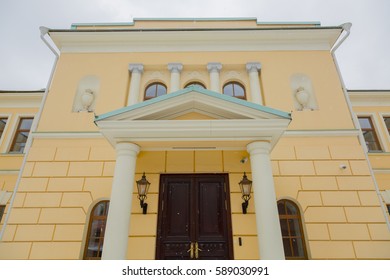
<point>231,124</point>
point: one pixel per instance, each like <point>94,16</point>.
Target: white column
<point>175,69</point>
<point>267,216</point>
<point>118,220</point>
<point>136,73</point>
<point>253,69</point>
<point>214,68</point>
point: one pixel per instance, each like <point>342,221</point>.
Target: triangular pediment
<point>197,103</point>
<point>193,118</point>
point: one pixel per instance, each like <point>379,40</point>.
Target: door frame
<point>228,209</point>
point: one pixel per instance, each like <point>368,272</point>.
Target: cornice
<point>173,40</point>
<point>21,99</point>
<point>369,97</point>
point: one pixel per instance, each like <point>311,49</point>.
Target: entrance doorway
<point>194,220</point>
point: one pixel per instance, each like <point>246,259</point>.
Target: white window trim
<point>14,127</point>
<point>9,119</point>
<point>378,130</point>
<point>385,115</point>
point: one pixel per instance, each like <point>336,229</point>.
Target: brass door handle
<point>197,250</point>
<point>191,250</point>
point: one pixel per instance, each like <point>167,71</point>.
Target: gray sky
<point>25,62</point>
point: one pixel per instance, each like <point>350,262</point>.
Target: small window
<point>292,232</point>
<point>2,209</point>
<point>196,84</point>
<point>369,134</point>
<point>155,90</point>
<point>3,122</point>
<point>21,135</point>
<point>234,89</point>
<point>96,229</point>
<point>388,208</point>
<point>387,122</point>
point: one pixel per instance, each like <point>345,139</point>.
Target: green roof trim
<point>199,90</point>
<point>75,25</point>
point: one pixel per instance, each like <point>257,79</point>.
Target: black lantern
<point>143,187</point>
<point>246,187</point>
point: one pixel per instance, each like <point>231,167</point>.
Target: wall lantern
<point>143,187</point>
<point>246,187</point>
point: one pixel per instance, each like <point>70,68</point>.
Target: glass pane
<point>371,142</point>
<point>151,91</point>
<point>238,91</point>
<point>281,208</point>
<point>291,209</point>
<point>25,124</point>
<point>295,229</point>
<point>93,247</point>
<point>387,122</point>
<point>161,90</point>
<point>228,89</point>
<point>97,228</point>
<point>287,247</point>
<point>284,227</point>
<point>297,246</point>
<point>365,123</point>
<point>2,125</point>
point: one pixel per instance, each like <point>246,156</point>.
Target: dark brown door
<point>194,217</point>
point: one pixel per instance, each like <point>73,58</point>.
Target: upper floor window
<point>21,135</point>
<point>96,229</point>
<point>197,84</point>
<point>234,89</point>
<point>369,134</point>
<point>154,90</point>
<point>387,122</point>
<point>292,232</point>
<point>3,122</point>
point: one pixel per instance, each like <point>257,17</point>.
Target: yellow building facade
<point>196,105</point>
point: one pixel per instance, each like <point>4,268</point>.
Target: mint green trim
<point>199,90</point>
<point>75,25</point>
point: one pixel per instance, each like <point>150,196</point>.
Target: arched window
<point>197,84</point>
<point>292,231</point>
<point>155,89</point>
<point>234,89</point>
<point>96,229</point>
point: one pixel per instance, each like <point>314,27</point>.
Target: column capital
<point>175,67</point>
<point>136,67</point>
<point>127,148</point>
<point>214,67</point>
<point>253,66</point>
<point>258,147</point>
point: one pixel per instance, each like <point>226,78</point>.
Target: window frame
<point>16,131</point>
<point>152,84</point>
<point>299,219</point>
<point>90,221</point>
<point>233,83</point>
<point>195,83</point>
<point>8,118</point>
<point>376,130</point>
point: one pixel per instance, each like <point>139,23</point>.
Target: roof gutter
<point>44,31</point>
<point>347,28</point>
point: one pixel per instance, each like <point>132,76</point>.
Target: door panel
<point>194,217</point>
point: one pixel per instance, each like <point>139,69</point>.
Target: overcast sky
<point>26,62</point>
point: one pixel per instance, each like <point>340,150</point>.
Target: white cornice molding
<point>370,98</point>
<point>195,40</point>
<point>192,130</point>
<point>21,99</point>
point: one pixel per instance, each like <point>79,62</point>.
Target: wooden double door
<point>194,217</point>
